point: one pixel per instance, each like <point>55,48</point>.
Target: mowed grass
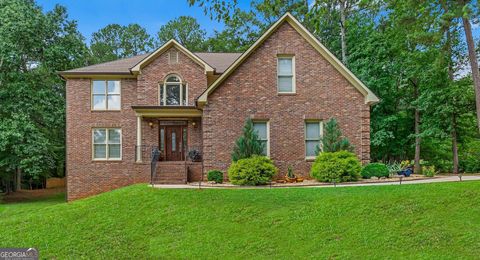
<point>428,221</point>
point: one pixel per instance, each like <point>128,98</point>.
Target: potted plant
<point>195,155</point>
<point>290,177</point>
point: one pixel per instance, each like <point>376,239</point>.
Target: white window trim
<point>163,89</point>
<point>294,88</point>
<point>268,134</point>
<point>107,144</point>
<point>106,95</point>
<point>305,137</point>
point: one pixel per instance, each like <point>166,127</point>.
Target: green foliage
<point>290,173</point>
<point>215,175</point>
<point>428,171</point>
<point>256,170</point>
<point>33,47</point>
<point>394,168</point>
<point>243,27</point>
<point>185,30</point>
<point>470,156</point>
<point>247,144</point>
<point>115,41</point>
<point>336,167</point>
<point>332,139</point>
<point>375,169</point>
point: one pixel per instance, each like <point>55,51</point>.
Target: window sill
<point>310,158</point>
<point>107,160</point>
<point>105,110</point>
<point>286,93</point>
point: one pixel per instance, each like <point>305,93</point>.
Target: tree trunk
<point>417,169</point>
<point>473,64</point>
<point>343,32</point>
<point>454,144</point>
<point>18,179</point>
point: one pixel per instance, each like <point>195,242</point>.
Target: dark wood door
<point>173,143</point>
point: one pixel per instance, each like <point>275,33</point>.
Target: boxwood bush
<point>256,170</point>
<point>336,167</point>
<point>375,169</point>
<point>215,175</point>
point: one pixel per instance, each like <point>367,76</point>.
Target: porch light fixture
<point>150,124</point>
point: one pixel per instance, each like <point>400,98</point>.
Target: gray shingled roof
<point>219,61</point>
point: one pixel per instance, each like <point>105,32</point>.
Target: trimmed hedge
<point>215,175</point>
<point>336,167</point>
<point>375,169</point>
<point>256,170</point>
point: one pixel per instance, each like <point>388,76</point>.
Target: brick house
<point>179,101</point>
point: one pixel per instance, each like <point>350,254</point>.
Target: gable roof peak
<point>370,97</point>
<point>166,46</point>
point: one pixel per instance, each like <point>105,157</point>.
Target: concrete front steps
<point>171,172</point>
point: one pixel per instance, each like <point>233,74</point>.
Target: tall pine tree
<point>248,143</point>
<point>332,139</point>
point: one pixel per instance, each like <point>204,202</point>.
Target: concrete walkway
<point>404,182</point>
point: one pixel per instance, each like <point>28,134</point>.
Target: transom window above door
<point>173,92</point>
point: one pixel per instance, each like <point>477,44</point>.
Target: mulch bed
<point>30,195</point>
<point>311,182</point>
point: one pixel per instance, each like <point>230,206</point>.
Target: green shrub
<point>428,171</point>
<point>394,168</point>
<point>375,169</point>
<point>215,175</point>
<point>469,156</point>
<point>256,170</point>
<point>336,167</point>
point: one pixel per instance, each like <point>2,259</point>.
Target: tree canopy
<point>185,30</point>
<point>115,41</point>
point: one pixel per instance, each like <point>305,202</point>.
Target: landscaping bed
<point>313,182</point>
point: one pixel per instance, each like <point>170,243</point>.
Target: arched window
<point>173,92</point>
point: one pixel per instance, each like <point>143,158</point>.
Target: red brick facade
<point>251,91</point>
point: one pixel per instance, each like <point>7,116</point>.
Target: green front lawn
<point>409,221</point>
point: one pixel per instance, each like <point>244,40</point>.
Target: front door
<point>173,143</point>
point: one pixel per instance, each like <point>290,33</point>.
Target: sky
<point>93,15</point>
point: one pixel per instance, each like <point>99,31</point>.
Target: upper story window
<point>173,92</point>
<point>286,74</point>
<point>106,95</point>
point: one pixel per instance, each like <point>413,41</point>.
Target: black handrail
<point>153,164</point>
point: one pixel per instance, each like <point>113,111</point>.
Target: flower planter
<point>290,180</point>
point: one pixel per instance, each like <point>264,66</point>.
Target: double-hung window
<point>173,92</point>
<point>313,133</point>
<point>106,95</point>
<point>286,74</point>
<point>262,129</point>
<point>107,143</point>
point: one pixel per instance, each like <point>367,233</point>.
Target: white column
<point>139,139</point>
